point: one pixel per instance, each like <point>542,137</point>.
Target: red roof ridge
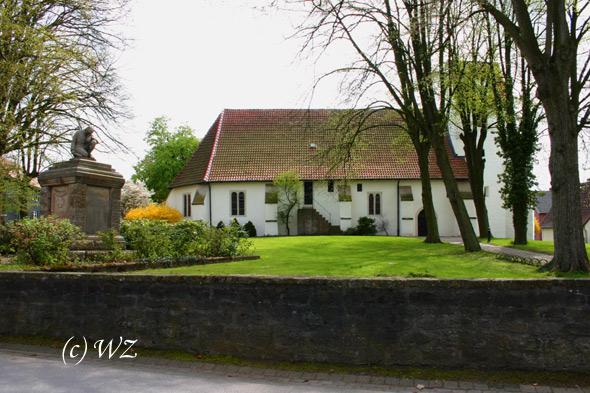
<point>214,149</point>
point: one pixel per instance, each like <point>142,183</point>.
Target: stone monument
<point>86,192</point>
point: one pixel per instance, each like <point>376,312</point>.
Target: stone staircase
<point>311,222</point>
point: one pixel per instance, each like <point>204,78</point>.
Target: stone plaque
<point>59,201</point>
<point>98,201</point>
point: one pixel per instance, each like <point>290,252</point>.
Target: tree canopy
<point>16,192</point>
<point>168,154</point>
<point>57,74</point>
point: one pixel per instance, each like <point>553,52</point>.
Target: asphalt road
<point>30,373</point>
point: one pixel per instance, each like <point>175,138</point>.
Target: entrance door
<point>308,193</point>
<point>422,228</point>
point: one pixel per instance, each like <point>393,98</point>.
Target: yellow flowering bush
<point>537,225</point>
<point>154,212</point>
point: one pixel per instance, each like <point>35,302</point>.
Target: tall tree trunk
<point>520,216</point>
<point>474,157</point>
<point>287,221</point>
<point>481,210</point>
<point>570,252</point>
<point>432,235</point>
<point>470,241</point>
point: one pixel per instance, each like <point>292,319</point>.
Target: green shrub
<point>5,241</point>
<point>158,239</point>
<point>235,225</point>
<point>225,242</point>
<point>366,226</point>
<point>111,243</point>
<point>43,241</point>
<point>187,238</point>
<point>350,231</point>
<point>148,238</point>
<point>250,229</point>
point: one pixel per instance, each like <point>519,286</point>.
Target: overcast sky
<point>190,59</point>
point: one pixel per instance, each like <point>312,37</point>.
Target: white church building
<point>230,176</point>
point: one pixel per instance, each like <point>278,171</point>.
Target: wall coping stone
<point>344,282</point>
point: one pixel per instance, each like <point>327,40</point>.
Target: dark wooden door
<point>308,193</point>
<point>422,227</point>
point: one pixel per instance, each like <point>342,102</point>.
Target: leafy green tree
<point>288,185</point>
<point>16,192</point>
<point>518,115</point>
<point>168,154</point>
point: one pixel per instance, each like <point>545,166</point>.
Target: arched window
<point>186,205</point>
<point>374,204</point>
<point>377,204</point>
<point>238,203</point>
<point>241,204</point>
<point>234,203</point>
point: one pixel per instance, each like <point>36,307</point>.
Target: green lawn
<point>7,263</point>
<point>17,267</point>
<point>358,256</point>
<point>543,246</point>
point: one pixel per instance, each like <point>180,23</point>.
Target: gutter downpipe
<point>210,207</point>
<point>398,220</point>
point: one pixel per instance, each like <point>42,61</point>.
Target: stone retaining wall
<point>518,324</point>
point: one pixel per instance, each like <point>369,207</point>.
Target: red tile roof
<point>547,222</point>
<point>259,144</point>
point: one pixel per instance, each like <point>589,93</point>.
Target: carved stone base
<point>86,192</point>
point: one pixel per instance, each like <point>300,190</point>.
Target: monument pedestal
<point>86,192</point>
